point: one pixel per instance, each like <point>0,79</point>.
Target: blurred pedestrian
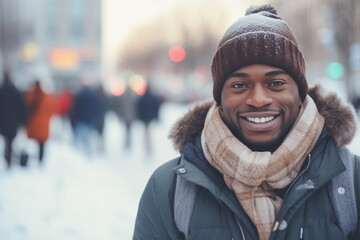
<point>85,114</point>
<point>40,108</point>
<point>64,104</point>
<point>356,103</point>
<point>266,158</point>
<point>104,106</point>
<point>147,107</point>
<point>125,107</point>
<point>12,114</point>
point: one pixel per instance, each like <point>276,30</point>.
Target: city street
<point>74,197</point>
<point>109,66</point>
<point>81,198</point>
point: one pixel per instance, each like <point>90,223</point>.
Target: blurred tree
<point>196,27</point>
<point>326,30</point>
<point>345,23</point>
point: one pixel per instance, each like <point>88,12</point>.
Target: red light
<point>177,54</point>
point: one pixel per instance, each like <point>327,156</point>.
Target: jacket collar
<point>193,154</point>
<point>340,119</point>
<point>316,173</point>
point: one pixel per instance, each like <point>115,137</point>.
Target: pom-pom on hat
<point>261,37</point>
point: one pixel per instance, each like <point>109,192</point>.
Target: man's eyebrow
<point>237,75</point>
<point>276,72</point>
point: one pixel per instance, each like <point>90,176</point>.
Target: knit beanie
<point>260,37</point>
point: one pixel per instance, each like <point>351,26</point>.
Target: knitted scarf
<point>253,176</point>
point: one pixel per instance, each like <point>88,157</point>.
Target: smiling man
<point>267,159</point>
<point>259,104</point>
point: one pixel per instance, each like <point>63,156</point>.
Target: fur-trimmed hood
<point>340,119</point>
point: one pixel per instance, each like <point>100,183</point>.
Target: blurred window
<point>76,21</point>
<point>51,19</point>
<point>99,20</point>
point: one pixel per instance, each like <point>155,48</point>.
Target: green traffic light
<point>335,70</point>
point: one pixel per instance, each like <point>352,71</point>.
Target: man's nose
<point>258,97</point>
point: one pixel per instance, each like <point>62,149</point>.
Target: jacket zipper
<point>301,233</point>
<point>292,184</point>
<point>303,171</point>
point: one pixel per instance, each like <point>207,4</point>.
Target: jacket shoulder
<point>155,219</point>
<point>165,171</point>
<point>162,182</point>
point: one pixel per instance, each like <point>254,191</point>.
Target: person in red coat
<point>40,106</point>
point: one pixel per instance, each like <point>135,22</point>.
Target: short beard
<point>261,147</point>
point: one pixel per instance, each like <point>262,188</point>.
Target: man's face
<point>260,103</point>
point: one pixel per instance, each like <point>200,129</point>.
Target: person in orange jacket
<point>40,108</point>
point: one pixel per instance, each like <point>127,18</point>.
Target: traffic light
<point>335,70</point>
<point>177,53</point>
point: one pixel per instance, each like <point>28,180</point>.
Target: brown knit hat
<point>261,37</point>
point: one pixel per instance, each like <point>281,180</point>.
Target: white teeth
<point>260,120</point>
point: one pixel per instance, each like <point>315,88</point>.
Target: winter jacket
<point>12,110</point>
<point>125,106</point>
<point>148,107</point>
<point>39,114</point>
<point>86,107</point>
<point>64,103</point>
<point>306,212</point>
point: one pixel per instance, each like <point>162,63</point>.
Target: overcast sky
<point>120,16</point>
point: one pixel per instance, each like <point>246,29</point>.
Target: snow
<point>75,197</point>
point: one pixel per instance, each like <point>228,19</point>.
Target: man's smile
<point>260,124</point>
<point>260,119</point>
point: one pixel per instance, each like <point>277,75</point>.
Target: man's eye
<point>276,84</point>
<point>238,85</point>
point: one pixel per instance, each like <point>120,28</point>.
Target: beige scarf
<point>253,176</point>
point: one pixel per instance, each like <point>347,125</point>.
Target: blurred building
<point>328,32</point>
<point>55,40</point>
<point>11,32</point>
<point>74,35</point>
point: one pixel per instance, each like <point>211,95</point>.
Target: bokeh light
<point>117,88</point>
<point>138,84</point>
<point>177,53</point>
<point>335,70</point>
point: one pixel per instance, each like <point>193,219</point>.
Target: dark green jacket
<point>306,210</point>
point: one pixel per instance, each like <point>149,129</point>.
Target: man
<point>85,114</point>
<point>12,114</point>
<point>147,111</point>
<point>262,155</point>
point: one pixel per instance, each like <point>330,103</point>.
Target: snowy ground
<point>74,197</point>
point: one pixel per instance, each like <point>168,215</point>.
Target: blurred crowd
<point>84,110</point>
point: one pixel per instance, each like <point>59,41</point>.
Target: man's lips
<point>260,121</point>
